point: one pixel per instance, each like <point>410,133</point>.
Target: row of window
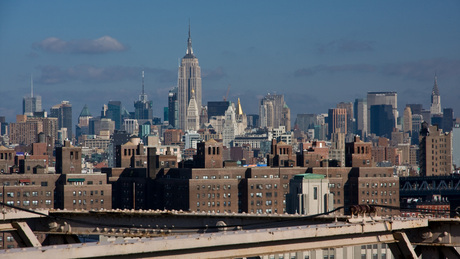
<point>25,194</point>
<point>213,204</point>
<point>267,203</point>
<point>219,177</point>
<point>212,195</point>
<point>382,201</point>
<point>382,193</point>
<point>374,185</point>
<point>260,194</point>
<point>83,193</point>
<point>84,201</point>
<point>27,203</point>
<point>83,183</point>
<point>17,183</point>
<point>214,187</point>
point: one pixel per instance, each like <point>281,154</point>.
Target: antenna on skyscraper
<point>31,86</point>
<point>142,82</point>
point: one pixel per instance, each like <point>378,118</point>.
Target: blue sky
<point>316,53</point>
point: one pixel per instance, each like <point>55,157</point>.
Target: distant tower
<point>435,98</point>
<point>63,112</point>
<point>83,122</point>
<point>382,98</point>
<point>189,78</point>
<point>337,120</point>
<point>143,107</point>
<point>193,121</point>
<point>230,126</point>
<point>360,112</point>
<point>407,121</point>
<point>271,110</point>
<point>33,103</point>
<point>173,108</point>
<point>286,118</point>
<point>114,112</point>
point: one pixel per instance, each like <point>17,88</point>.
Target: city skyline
<point>315,55</point>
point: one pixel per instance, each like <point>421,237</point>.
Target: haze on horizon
<point>315,53</point>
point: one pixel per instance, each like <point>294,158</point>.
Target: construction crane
<point>226,95</point>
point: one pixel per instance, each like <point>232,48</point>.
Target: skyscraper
<point>271,111</point>
<point>193,122</point>
<point>447,119</point>
<point>382,121</point>
<point>337,121</point>
<point>83,122</point>
<point>360,112</point>
<point>173,108</point>
<point>114,112</point>
<point>143,107</point>
<point>407,120</point>
<point>435,108</point>
<point>306,121</point>
<point>33,103</point>
<point>189,78</point>
<point>63,112</point>
<point>349,107</point>
<point>382,98</point>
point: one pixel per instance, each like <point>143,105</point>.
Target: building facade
<point>189,83</point>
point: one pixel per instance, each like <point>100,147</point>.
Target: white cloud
<point>82,46</point>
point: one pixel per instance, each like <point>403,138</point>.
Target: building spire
<point>435,87</point>
<point>239,110</point>
<point>143,96</point>
<point>189,41</point>
<point>31,86</point>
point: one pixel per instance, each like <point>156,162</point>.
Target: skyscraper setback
<point>188,83</point>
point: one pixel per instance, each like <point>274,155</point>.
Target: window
<point>44,183</point>
<point>48,202</point>
<point>315,193</point>
<point>26,203</point>
<point>10,194</point>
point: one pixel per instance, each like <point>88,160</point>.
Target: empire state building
<point>189,83</point>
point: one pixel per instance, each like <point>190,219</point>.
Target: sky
<point>315,53</point>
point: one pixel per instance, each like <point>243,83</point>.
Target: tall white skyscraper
<point>435,108</point>
<point>188,83</point>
